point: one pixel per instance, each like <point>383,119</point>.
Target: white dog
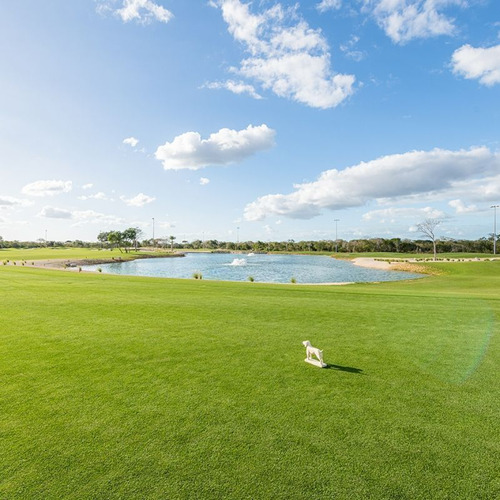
<point>313,351</point>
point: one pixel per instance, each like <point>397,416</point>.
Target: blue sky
<point>274,117</point>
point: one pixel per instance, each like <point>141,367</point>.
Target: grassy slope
<point>120,387</point>
<point>31,254</point>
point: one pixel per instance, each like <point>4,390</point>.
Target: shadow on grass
<point>349,369</point>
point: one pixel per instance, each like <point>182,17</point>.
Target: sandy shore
<point>372,263</point>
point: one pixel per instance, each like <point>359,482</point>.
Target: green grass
<point>121,387</point>
<point>30,254</point>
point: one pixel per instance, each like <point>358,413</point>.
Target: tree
<point>115,238</point>
<point>428,228</point>
<point>103,237</point>
<point>171,238</point>
<point>131,235</point>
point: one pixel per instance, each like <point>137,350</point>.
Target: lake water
<point>263,268</point>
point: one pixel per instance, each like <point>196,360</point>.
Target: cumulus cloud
<point>478,63</point>
<point>405,20</point>
<point>234,87</point>
<point>350,50</point>
<point>11,202</point>
<point>204,181</point>
<point>190,151</point>
<point>395,176</point>
<point>141,11</point>
<point>47,188</point>
<point>395,214</point>
<point>325,5</point>
<point>138,201</point>
<point>286,55</point>
<point>131,141</point>
<point>87,186</point>
<point>97,196</point>
<point>83,217</point>
<point>461,208</point>
<point>55,213</point>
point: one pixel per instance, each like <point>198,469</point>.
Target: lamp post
<point>336,239</point>
<point>154,245</point>
<point>494,207</point>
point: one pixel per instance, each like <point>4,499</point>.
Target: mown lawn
<point>121,387</point>
<point>31,254</point>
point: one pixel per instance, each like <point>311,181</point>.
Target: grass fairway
<point>133,388</point>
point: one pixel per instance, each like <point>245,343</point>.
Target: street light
<point>154,245</point>
<point>336,239</point>
<point>494,207</point>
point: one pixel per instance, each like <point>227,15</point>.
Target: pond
<point>261,267</point>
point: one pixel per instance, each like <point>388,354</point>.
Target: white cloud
<point>92,217</point>
<point>47,188</point>
<point>141,11</point>
<point>349,49</point>
<point>11,202</point>
<point>55,213</point>
<point>478,63</point>
<point>131,141</point>
<point>138,201</point>
<point>204,181</point>
<point>461,208</point>
<point>87,186</point>
<point>190,151</point>
<point>286,55</point>
<point>405,20</point>
<point>325,5</point>
<point>395,176</point>
<point>395,214</point>
<point>234,87</point>
<point>97,196</point>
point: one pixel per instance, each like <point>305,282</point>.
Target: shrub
<point>99,270</point>
<point>293,280</point>
<point>197,275</point>
<point>251,278</point>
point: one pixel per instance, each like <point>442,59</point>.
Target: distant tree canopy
<point>121,239</point>
<point>130,237</point>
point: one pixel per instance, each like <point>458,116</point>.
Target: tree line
<point>129,239</point>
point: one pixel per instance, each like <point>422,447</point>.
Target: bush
<point>99,270</point>
<point>197,275</point>
<point>293,280</point>
<point>251,278</point>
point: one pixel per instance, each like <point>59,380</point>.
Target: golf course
<point>128,387</point>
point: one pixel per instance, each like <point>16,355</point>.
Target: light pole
<point>154,245</point>
<point>494,207</point>
<point>238,235</point>
<point>336,239</point>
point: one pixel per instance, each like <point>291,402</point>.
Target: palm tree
<point>171,238</point>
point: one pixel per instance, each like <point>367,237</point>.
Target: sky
<point>239,120</point>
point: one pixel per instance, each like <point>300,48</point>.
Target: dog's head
<point>306,343</point>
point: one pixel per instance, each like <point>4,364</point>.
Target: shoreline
<point>407,265</point>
